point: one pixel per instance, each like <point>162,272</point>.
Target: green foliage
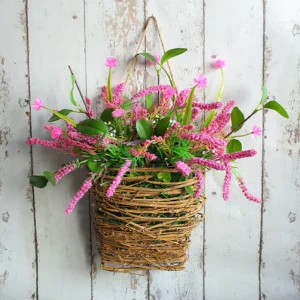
<point>189,189</point>
<point>264,96</point>
<point>274,105</point>
<point>72,91</point>
<point>172,53</point>
<point>188,110</point>
<point>63,112</point>
<point>148,56</point>
<point>234,146</point>
<point>92,127</point>
<point>106,115</point>
<point>51,177</point>
<point>144,129</point>
<point>165,177</point>
<point>61,116</point>
<point>95,166</point>
<point>162,126</point>
<point>38,181</point>
<point>209,118</point>
<point>237,117</point>
<point>149,101</point>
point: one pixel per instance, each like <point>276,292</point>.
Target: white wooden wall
<point>243,250</point>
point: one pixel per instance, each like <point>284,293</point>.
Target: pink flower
<point>157,58</point>
<point>56,133</point>
<point>207,106</point>
<point>201,81</point>
<point>256,130</point>
<point>111,190</point>
<point>205,138</point>
<point>139,112</point>
<point>150,90</point>
<point>168,93</point>
<point>65,170</point>
<point>219,64</point>
<point>208,163</point>
<point>118,113</point>
<point>183,168</point>
<point>246,192</point>
<point>90,112</point>
<point>195,113</point>
<point>182,97</point>
<point>38,104</point>
<point>200,184</point>
<point>111,62</point>
<point>83,190</point>
<point>238,155</point>
<point>45,143</point>
<point>227,180</point>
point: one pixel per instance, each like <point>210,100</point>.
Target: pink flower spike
<point>157,58</point>
<point>219,64</point>
<point>118,113</point>
<point>183,168</point>
<point>111,62</point>
<point>238,155</point>
<point>256,130</point>
<point>38,104</point>
<point>246,192</point>
<point>56,133</point>
<point>201,81</point>
<point>200,183</point>
<point>227,180</point>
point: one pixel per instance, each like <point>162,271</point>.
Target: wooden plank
<point>280,266</point>
<point>183,27</point>
<point>17,242</point>
<point>233,31</point>
<point>17,249</point>
<point>113,28</point>
<point>56,40</point>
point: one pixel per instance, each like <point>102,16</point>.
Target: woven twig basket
<point>142,228</point>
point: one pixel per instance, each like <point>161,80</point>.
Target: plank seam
<point>260,262</point>
<point>31,154</point>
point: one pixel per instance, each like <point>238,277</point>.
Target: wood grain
<point>233,31</point>
<point>17,240</point>
<point>280,266</point>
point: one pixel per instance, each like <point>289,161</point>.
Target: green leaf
<point>189,190</point>
<point>95,166</point>
<point>106,115</point>
<point>166,177</point>
<point>162,126</point>
<point>274,105</point>
<point>188,109</point>
<point>38,181</point>
<point>144,129</point>
<point>63,112</point>
<point>92,127</point>
<point>264,96</point>
<point>237,117</point>
<point>126,104</point>
<point>209,118</point>
<point>171,53</point>
<point>72,91</point>
<point>234,146</point>
<point>148,55</point>
<point>113,221</point>
<point>109,95</point>
<point>149,101</point>
<point>65,118</point>
<point>51,177</point>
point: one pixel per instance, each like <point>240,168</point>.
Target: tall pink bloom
<point>38,104</point>
<point>151,90</point>
<point>169,93</point>
<point>118,113</point>
<point>139,112</point>
<point>45,143</point>
<point>157,58</point>
<point>111,190</point>
<point>207,163</point>
<point>111,62</point>
<point>207,106</point>
<point>180,100</point>
<point>227,180</point>
<point>238,155</point>
<point>200,183</point>
<point>183,168</point>
<point>195,113</point>
<point>65,170</point>
<point>88,183</point>
<point>256,130</point>
<point>56,133</point>
<point>201,81</point>
<point>246,192</point>
<point>219,64</point>
<point>90,112</point>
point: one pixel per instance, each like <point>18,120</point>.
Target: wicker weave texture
<point>142,228</point>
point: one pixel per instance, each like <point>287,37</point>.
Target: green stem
<point>109,97</point>
<point>169,77</point>
<point>65,118</point>
<point>220,93</point>
<point>238,136</point>
<point>188,109</point>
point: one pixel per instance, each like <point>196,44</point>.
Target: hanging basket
<point>147,224</point>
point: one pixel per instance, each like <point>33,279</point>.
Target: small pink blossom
<point>90,112</point>
<point>151,90</point>
<point>201,81</point>
<point>157,58</point>
<point>219,64</point>
<point>183,168</point>
<point>56,133</point>
<point>256,130</point>
<point>227,180</point>
<point>207,106</point>
<point>38,104</point>
<point>111,62</point>
<point>168,93</point>
<point>200,183</point>
<point>118,113</point>
<point>180,100</point>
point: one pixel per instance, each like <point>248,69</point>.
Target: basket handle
<point>150,19</point>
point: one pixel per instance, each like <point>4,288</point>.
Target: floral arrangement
<point>133,132</point>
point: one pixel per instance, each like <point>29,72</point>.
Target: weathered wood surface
<point>250,252</point>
